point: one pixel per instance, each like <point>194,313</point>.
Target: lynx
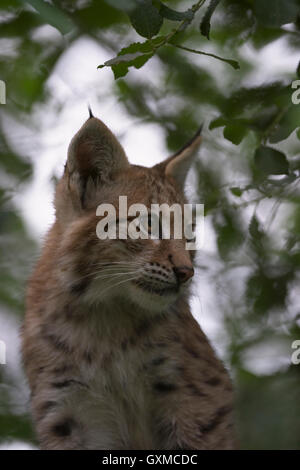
<point>112,353</point>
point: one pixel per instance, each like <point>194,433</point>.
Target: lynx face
<point>145,272</point>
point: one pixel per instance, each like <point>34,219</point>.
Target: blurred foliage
<point>248,173</point>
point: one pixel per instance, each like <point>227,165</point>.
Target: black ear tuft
<point>190,143</point>
<point>90,112</point>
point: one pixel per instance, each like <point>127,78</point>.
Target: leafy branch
<point>147,17</point>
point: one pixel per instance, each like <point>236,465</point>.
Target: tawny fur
<point>117,367</point>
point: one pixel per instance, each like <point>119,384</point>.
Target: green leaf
<point>288,123</point>
<point>145,19</point>
<point>270,161</point>
<point>173,15</point>
<point>15,426</point>
<point>252,102</point>
<point>95,16</point>
<point>10,4</point>
<point>230,236</point>
<point>233,63</point>
<point>22,24</point>
<point>264,292</point>
<point>130,58</point>
<point>276,13</point>
<point>124,5</point>
<point>254,229</point>
<point>52,15</point>
<point>218,122</point>
<point>135,55</point>
<point>236,191</point>
<point>205,23</point>
<point>235,132</point>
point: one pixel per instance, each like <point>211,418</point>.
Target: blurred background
<point>246,290</point>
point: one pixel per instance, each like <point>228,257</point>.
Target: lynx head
<point>145,272</point>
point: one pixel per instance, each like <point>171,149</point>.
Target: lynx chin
<point>112,353</point>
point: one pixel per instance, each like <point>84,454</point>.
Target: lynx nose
<point>183,273</point>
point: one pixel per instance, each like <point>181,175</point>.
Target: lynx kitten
<point>113,356</point>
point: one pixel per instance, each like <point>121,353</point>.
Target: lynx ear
<point>178,165</point>
<point>94,154</point>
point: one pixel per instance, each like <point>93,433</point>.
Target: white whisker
<point>118,283</point>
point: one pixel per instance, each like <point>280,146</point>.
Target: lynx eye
<point>154,226</point>
<point>145,224</point>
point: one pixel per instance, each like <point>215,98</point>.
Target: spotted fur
<point>113,356</point>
